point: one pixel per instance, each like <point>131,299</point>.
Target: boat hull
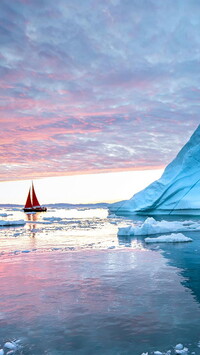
<point>35,209</point>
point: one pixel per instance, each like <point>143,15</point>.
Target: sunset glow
<point>89,188</point>
<point>115,91</point>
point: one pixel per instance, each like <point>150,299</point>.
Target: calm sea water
<point>69,285</point>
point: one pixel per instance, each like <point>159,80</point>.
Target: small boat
<point>32,203</point>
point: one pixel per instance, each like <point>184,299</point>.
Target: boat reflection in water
<point>32,217</point>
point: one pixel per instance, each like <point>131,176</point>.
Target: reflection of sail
<point>32,226</point>
<point>32,229</point>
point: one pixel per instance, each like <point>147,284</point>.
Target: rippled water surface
<point>69,285</point>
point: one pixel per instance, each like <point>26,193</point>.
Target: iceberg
<point>150,226</point>
<point>177,192</point>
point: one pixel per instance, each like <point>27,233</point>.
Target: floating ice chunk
<point>20,222</point>
<point>126,231</point>
<point>10,345</point>
<point>52,219</point>
<point>179,347</point>
<point>158,353</point>
<point>182,352</point>
<point>34,230</point>
<point>151,226</point>
<point>113,215</point>
<point>171,238</point>
<point>17,234</point>
<point>1,352</point>
<point>38,222</point>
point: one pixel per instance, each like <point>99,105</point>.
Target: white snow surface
<point>151,226</point>
<point>177,191</point>
<point>169,238</point>
<point>20,222</point>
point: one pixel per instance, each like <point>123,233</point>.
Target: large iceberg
<point>176,192</point>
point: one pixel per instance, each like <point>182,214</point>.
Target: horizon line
<point>86,172</point>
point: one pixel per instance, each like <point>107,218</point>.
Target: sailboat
<point>32,203</point>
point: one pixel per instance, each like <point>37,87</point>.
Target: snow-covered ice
<point>151,226</point>
<point>171,238</point>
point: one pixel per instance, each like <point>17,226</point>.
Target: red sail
<point>34,197</point>
<point>28,201</point>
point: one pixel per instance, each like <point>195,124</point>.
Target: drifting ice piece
<point>178,189</point>
<point>20,222</point>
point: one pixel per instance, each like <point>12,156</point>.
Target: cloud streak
<point>96,85</point>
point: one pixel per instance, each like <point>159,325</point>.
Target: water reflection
<point>108,302</point>
<point>32,217</point>
<point>183,256</point>
<point>132,242</point>
<point>129,299</point>
<point>186,257</point>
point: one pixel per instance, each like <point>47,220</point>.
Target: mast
<point>35,201</point>
<point>28,201</point>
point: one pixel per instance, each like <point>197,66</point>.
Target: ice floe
<point>11,347</point>
<point>53,219</point>
<point>169,238</point>
<point>20,222</point>
<point>151,226</point>
<point>5,214</point>
<point>178,349</point>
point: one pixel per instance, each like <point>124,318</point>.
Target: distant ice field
<point>59,228</point>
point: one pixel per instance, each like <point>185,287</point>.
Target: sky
<point>77,189</point>
<point>96,86</point>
